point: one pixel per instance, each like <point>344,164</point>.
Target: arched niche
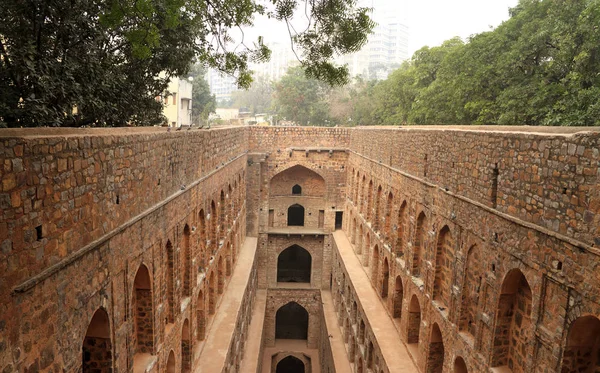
<point>295,215</point>
<point>291,322</point>
<point>96,351</point>
<point>290,364</point>
<point>143,311</point>
<point>294,265</point>
<point>582,353</point>
<point>312,184</point>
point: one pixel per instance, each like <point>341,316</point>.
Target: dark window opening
<point>291,322</point>
<point>339,219</point>
<point>290,364</point>
<point>296,215</point>
<point>494,194</point>
<point>294,265</point>
<point>39,233</point>
<point>296,189</point>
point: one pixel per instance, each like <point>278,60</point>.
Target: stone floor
<point>393,348</point>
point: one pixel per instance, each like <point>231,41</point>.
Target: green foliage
<point>541,67</point>
<point>301,99</point>
<point>203,102</point>
<point>257,98</point>
<point>106,57</point>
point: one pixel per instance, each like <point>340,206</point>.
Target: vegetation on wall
<point>540,67</point>
<point>73,63</point>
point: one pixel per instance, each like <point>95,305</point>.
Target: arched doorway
<point>221,275</point>
<point>582,353</point>
<point>385,279</point>
<point>211,294</point>
<point>200,320</point>
<point>170,314</point>
<point>513,323</point>
<point>291,322</point>
<point>444,258</point>
<point>435,356</point>
<point>296,190</point>
<point>171,363</point>
<point>186,259</point>
<point>414,320</point>
<point>398,295</point>
<point>143,311</point>
<point>186,348</point>
<point>460,366</point>
<point>375,265</point>
<point>296,215</point>
<point>290,364</point>
<point>97,347</point>
<point>419,243</point>
<point>294,265</point>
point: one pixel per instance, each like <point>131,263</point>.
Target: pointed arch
<point>378,208</point>
<point>401,225</point>
<point>388,218</point>
<point>460,366</point>
<point>418,247</point>
<point>290,364</point>
<point>213,227</point>
<point>295,215</point>
<point>200,317</point>
<point>398,296</point>
<point>294,265</point>
<point>220,275</point>
<point>228,259</point>
<point>96,350</point>
<point>283,182</point>
<point>470,291</point>
<point>435,355</point>
<point>513,322</point>
<point>296,190</point>
<point>375,266</point>
<point>414,321</point>
<point>186,262</point>
<point>582,352</point>
<point>370,201</point>
<point>202,238</point>
<point>186,347</point>
<point>212,301</point>
<point>171,362</point>
<point>385,278</point>
<point>291,322</point>
<point>444,257</point>
<point>143,311</point>
<point>170,283</point>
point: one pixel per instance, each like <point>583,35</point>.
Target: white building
<point>221,85</point>
<point>387,47</point>
<point>178,103</point>
<point>282,57</point>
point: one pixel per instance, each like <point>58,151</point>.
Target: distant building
<point>282,57</point>
<point>386,48</point>
<point>178,103</point>
<point>221,85</point>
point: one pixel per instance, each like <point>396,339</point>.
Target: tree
<point>98,62</point>
<point>203,102</point>
<point>301,99</point>
<point>257,98</point>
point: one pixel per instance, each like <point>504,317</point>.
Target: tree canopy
<point>540,67</point>
<point>300,99</point>
<point>81,62</point>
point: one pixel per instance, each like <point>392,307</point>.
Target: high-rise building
<point>282,57</point>
<point>221,85</point>
<point>387,46</point>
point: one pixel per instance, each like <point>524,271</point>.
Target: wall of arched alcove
<point>299,300</point>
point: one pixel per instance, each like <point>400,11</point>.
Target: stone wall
<point>82,212</point>
<point>543,224</point>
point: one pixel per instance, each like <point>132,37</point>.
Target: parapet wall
<point>546,176</point>
<point>62,192</point>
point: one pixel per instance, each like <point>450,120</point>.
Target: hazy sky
<point>430,22</point>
